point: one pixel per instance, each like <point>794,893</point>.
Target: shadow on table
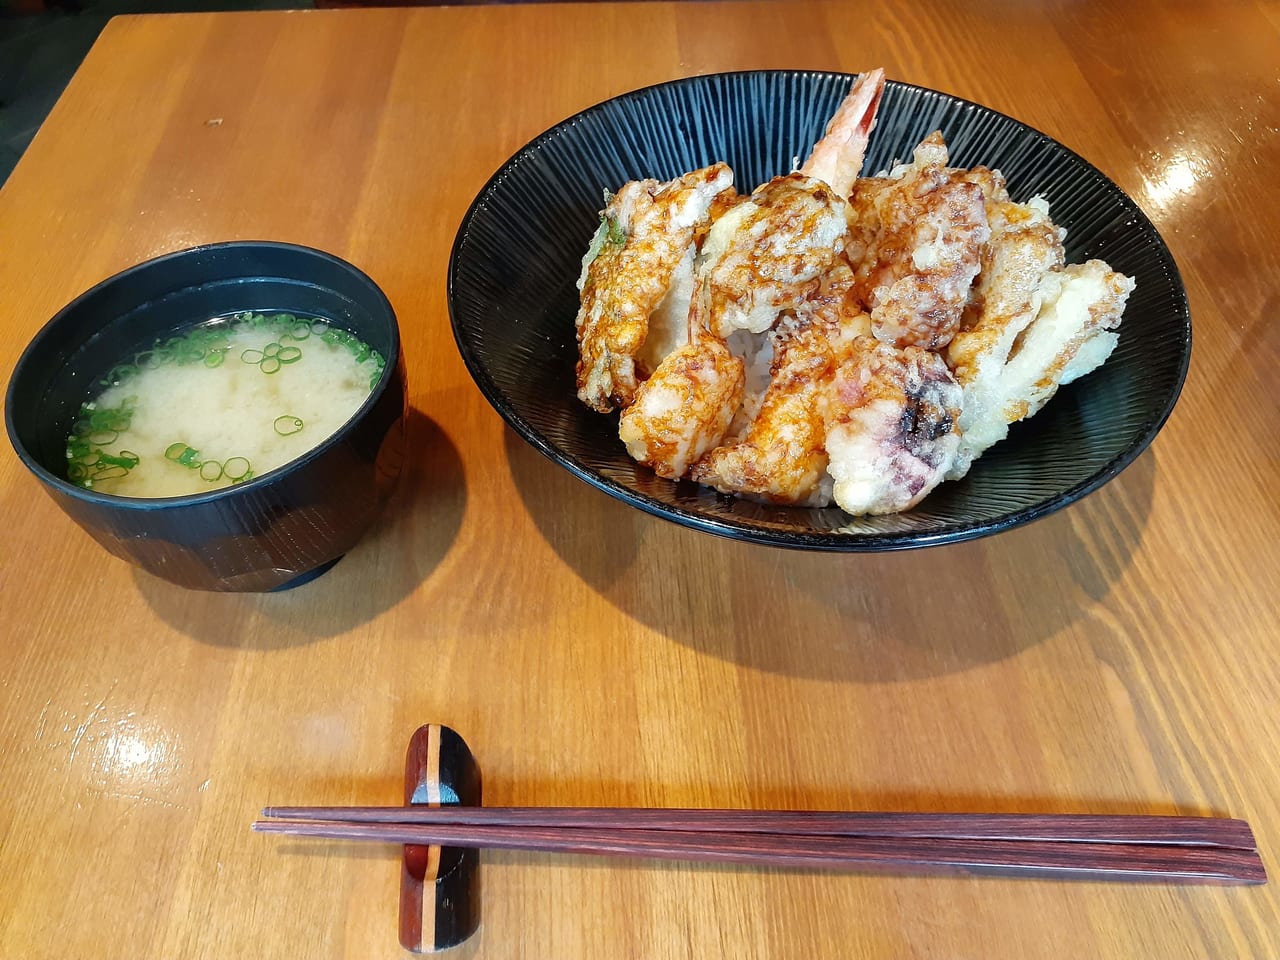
<point>860,617</point>
<point>402,548</point>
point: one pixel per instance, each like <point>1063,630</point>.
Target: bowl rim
<point>98,498</point>
<point>830,541</point>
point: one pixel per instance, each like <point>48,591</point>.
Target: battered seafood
<point>829,337</point>
<point>917,235</point>
<point>778,451</point>
<point>767,254</point>
<point>892,426</point>
<point>781,455</point>
<point>684,409</point>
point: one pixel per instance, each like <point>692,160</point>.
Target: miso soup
<point>224,402</point>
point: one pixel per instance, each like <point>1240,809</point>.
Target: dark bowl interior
<point>518,253</point>
<point>273,531</point>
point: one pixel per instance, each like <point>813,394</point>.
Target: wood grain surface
<point>1117,657</point>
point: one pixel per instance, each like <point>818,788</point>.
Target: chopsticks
<point>1135,848</point>
<point>1197,831</point>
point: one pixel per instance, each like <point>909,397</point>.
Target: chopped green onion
<point>271,349</point>
<point>110,473</point>
<point>286,425</point>
<point>211,470</point>
<point>214,358</point>
<point>269,365</point>
<point>184,454</point>
<point>112,419</point>
<point>103,437</point>
<point>124,459</point>
<point>237,469</point>
<point>119,373</point>
<point>288,354</point>
<point>251,356</point>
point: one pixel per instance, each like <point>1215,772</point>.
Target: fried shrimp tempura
<point>684,409</point>
<point>779,454</point>
<point>891,426</point>
<point>645,242</point>
<point>781,459</point>
<point>769,252</point>
<point>916,236</point>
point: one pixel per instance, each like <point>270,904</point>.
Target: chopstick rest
<point>439,885</point>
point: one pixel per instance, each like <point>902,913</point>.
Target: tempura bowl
<point>272,532</point>
<point>518,255</point>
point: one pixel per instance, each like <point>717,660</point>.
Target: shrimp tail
<point>837,157</point>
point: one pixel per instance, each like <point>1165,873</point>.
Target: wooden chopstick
<point>1146,862</point>
<point>1096,828</point>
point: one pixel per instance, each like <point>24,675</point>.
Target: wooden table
<point>1119,656</point>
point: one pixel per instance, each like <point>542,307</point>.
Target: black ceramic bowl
<point>271,532</point>
<point>518,253</point>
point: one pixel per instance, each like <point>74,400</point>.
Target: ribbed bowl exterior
<point>518,253</point>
